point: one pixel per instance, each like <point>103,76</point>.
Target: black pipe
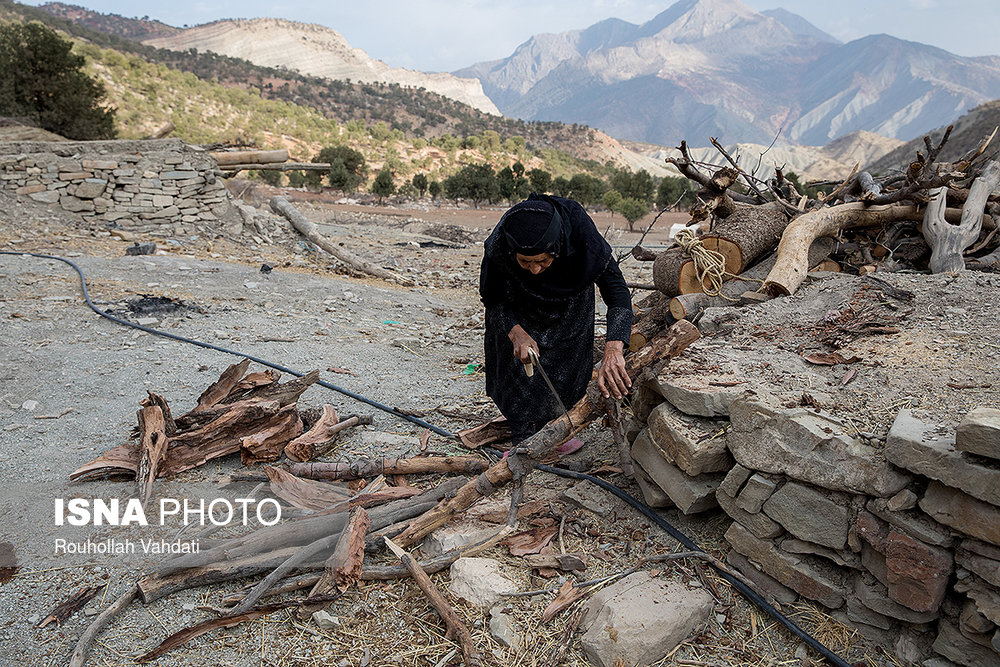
<point>217,348</point>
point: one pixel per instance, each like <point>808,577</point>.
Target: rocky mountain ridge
<point>314,50</point>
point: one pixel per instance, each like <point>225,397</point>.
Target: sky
<point>446,35</point>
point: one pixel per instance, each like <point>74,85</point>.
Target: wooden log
<point>948,241</point>
<point>82,648</point>
<point>746,235</point>
<point>674,272</point>
<point>232,169</point>
<point>363,468</point>
<point>281,206</point>
<point>455,628</point>
<point>249,157</point>
<point>322,436</point>
<point>553,434</point>
<point>269,440</point>
<point>152,449</point>
<point>792,262</point>
<point>689,306</point>
<point>343,568</point>
<point>221,388</point>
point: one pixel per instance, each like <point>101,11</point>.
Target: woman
<point>539,270</point>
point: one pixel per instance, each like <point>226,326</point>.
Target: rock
<point>50,197</point>
<point>692,395</point>
<point>141,249</point>
<point>590,497</point>
<point>645,397</point>
<point>91,188</point>
<point>979,433</point>
<point>479,581</point>
<point>859,613</point>
<point>690,494</point>
<point>986,597</point>
<point>914,523</point>
<point>762,581</point>
<point>757,490</point>
<point>75,204</point>
<point>875,596</point>
<point>969,556</point>
<point>809,515</point>
<point>872,530</point>
<point>806,446</point>
<point>146,321</point>
<point>904,500</point>
<point>910,446</point>
<point>995,642</point>
<point>455,535</point>
<point>639,619</point>
<point>325,621</point>
<point>962,512</point>
<point>502,629</point>
<point>843,558</point>
<point>972,621</point>
<point>29,406</point>
<point>652,495</point>
<point>682,442</point>
<point>759,524</point>
<point>735,480</point>
<point>918,573</point>
<point>951,644</point>
<point>807,576</point>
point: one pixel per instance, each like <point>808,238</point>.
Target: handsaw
<point>536,362</point>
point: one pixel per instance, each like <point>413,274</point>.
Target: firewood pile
<point>760,238</point>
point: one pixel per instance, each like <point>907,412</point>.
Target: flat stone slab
<point>962,512</point>
<point>807,446</point>
<point>979,433</point>
<point>652,494</point>
<point>479,581</point>
<point>693,395</point>
<point>692,444</point>
<point>912,446</point>
<point>809,514</point>
<point>456,535</point>
<point>953,645</point>
<point>640,619</point>
<point>875,596</point>
<point>979,558</point>
<point>760,525</point>
<point>912,522</point>
<point>690,494</point>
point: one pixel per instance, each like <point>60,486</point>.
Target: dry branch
<point>281,206</point>
<point>363,468</point>
<point>222,387</point>
<point>152,449</point>
<point>249,157</point>
<point>948,241</point>
<point>83,644</point>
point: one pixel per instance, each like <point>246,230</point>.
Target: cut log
<point>322,436</point>
<point>689,306</point>
<point>363,468</point>
<point>749,233</point>
<point>455,628</point>
<point>343,568</point>
<point>553,434</point>
<point>792,262</point>
<point>948,241</point>
<point>249,157</point>
<point>281,206</point>
<point>152,449</point>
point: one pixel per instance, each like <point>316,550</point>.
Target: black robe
<point>556,308</point>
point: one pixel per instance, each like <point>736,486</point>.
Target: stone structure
<point>902,542</point>
<point>163,186</point>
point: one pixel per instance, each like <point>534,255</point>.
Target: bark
<point>674,272</point>
<point>553,434</point>
<point>750,233</point>
<point>322,436</point>
<point>221,388</point>
<point>305,494</point>
<point>267,442</point>
<point>249,157</point>
<point>455,628</point>
<point>948,241</point>
<point>152,448</point>
<point>362,468</point>
<point>281,206</point>
<point>343,568</point>
<point>496,430</point>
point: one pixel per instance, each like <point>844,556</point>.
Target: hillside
<point>718,68</point>
<point>968,132</point>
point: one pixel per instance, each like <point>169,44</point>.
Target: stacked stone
<point>144,186</point>
<point>679,448</point>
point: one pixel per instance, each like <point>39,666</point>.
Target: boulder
<point>479,581</point>
<point>807,446</point>
<point>682,440</point>
<point>962,512</point>
<point>979,433</point>
<point>912,445</point>
<point>809,514</point>
<point>690,494</point>
<point>640,619</point>
<point>807,576</point>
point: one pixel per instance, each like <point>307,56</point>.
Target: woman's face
<point>534,263</point>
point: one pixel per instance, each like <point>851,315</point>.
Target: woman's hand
<point>522,343</point>
<point>612,380</point>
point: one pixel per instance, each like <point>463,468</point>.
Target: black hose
<point>217,348</point>
<point>647,511</point>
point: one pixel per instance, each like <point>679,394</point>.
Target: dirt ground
<point>71,383</point>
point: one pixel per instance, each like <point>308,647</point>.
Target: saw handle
<point>529,368</point>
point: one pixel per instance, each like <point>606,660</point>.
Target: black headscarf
<point>544,224</point>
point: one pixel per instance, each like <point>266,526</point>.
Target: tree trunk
<point>249,157</point>
<point>281,206</point>
<point>948,241</point>
<point>749,233</point>
<point>362,468</point>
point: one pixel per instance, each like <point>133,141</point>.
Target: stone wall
<point>163,186</point>
<point>900,538</point>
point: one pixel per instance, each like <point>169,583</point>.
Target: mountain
<point>134,29</point>
<point>314,50</point>
<point>718,68</point>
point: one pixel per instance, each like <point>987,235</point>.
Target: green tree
<point>296,178</point>
<point>269,176</point>
<point>560,187</point>
<point>383,186</point>
<point>41,79</point>
<point>347,167</point>
<point>434,189</point>
<point>633,209</point>
<point>586,189</point>
<point>419,182</point>
<point>612,199</point>
<point>477,182</point>
<point>540,180</point>
<point>674,191</point>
